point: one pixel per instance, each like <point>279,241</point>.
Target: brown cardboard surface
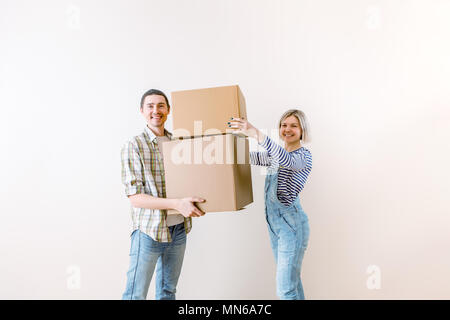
<point>206,111</point>
<point>215,168</point>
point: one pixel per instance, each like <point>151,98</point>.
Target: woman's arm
<point>296,160</point>
<point>277,154</point>
<point>259,158</point>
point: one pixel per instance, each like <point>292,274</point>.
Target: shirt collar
<point>152,136</point>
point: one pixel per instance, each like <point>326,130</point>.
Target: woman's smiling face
<point>290,130</point>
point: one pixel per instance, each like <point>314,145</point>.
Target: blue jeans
<point>289,234</point>
<point>145,254</point>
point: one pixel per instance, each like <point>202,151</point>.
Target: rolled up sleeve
<point>132,170</point>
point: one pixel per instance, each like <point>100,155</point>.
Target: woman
<point>288,170</point>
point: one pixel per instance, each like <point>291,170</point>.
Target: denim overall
<point>289,233</point>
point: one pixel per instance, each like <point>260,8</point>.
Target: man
<point>157,239</point>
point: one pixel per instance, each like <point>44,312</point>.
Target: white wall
<point>371,75</point>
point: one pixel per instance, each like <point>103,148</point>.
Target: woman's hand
<point>240,125</point>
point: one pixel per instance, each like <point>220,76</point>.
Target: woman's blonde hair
<point>306,136</point>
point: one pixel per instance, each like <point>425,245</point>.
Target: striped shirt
<point>143,172</point>
<point>294,168</point>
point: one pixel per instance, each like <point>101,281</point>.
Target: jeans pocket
<point>269,225</point>
<point>305,234</point>
<point>179,235</point>
<point>135,242</point>
<point>290,219</point>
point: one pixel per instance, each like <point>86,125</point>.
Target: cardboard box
<point>206,111</point>
<point>215,168</point>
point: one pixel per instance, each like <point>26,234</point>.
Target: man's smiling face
<point>155,110</point>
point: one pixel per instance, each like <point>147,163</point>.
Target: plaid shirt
<point>143,172</point>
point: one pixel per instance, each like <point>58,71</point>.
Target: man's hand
<point>187,207</point>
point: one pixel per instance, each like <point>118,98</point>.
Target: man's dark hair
<point>152,92</point>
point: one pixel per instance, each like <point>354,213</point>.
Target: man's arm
<point>185,206</point>
<point>132,178</point>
